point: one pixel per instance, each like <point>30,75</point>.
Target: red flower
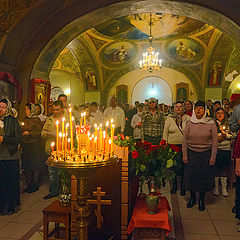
<point>163,142</point>
<point>122,136</point>
<point>135,154</point>
<point>154,147</point>
<point>175,148</point>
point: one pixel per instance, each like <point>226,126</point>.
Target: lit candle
<point>96,128</point>
<point>104,141</point>
<point>84,119</point>
<point>79,143</point>
<point>69,140</point>
<point>81,120</point>
<point>95,146</point>
<point>101,138</point>
<point>22,123</point>
<point>57,135</point>
<point>63,132</point>
<point>87,143</point>
<point>60,140</point>
<point>71,127</point>
<point>63,143</point>
<point>52,145</point>
<point>112,136</point>
<point>66,135</point>
<point>107,124</point>
<point>110,146</point>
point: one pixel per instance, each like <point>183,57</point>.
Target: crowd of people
<point>207,133</point>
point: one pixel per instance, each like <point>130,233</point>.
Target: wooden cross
<point>99,202</point>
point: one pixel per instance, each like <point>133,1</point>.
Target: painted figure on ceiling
<point>184,52</point>
<point>91,80</point>
<point>119,55</point>
<point>215,74</point>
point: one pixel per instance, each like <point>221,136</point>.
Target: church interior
<point>90,51</point>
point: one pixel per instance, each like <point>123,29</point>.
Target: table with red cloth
<point>141,219</point>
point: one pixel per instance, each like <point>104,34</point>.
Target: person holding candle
<point>117,114</point>
<point>49,134</point>
<point>10,136</point>
<point>31,144</point>
<point>223,158</point>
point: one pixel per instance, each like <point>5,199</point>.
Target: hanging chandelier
<point>150,59</point>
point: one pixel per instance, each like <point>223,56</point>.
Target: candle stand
<point>82,170</point>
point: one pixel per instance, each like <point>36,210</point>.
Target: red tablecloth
<point>141,219</point>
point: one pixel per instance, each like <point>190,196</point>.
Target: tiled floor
<point>215,223</point>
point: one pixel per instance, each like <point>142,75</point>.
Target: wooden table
<point>57,214</point>
<point>148,226</point>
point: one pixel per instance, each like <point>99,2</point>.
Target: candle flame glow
<point>63,119</point>
<point>107,123</point>
<point>57,122</point>
<point>52,144</point>
<point>111,120</point>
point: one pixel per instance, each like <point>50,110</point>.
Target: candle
<point>112,135</point>
<point>66,135</point>
<point>69,140</point>
<point>107,124</point>
<point>22,123</point>
<point>63,132</point>
<point>57,134</point>
<point>52,145</point>
<point>81,120</point>
<point>63,143</point>
<point>101,138</point>
<point>95,146</point>
<point>87,143</point>
<point>71,127</point>
<point>104,141</point>
<point>96,128</point>
<point>84,120</point>
<point>60,140</point>
<point>79,143</point>
<point>110,146</point>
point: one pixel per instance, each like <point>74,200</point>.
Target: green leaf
<point>142,168</point>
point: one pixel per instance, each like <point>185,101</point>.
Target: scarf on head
<point>8,110</point>
<point>32,111</point>
<point>204,119</point>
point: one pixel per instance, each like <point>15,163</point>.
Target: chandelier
<point>150,59</point>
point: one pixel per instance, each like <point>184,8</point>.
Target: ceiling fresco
<point>137,26</point>
<point>189,46</point>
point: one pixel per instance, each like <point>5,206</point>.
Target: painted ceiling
<point>102,54</point>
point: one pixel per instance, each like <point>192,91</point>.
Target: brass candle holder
<point>82,168</point>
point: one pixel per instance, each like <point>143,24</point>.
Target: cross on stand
<point>99,202</point>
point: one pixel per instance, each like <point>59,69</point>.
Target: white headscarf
<point>41,115</point>
<point>204,119</point>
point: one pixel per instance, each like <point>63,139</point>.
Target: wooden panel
<point>124,192</point>
<point>124,214</point>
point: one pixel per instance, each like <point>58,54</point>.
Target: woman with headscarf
<point>223,158</point>
<point>39,113</point>
<point>10,136</point>
<point>199,153</point>
<point>173,134</point>
<point>32,154</point>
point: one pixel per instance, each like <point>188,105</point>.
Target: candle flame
<point>70,109</point>
<point>72,119</point>
<point>84,114</point>
<point>52,144</point>
<point>57,122</point>
<point>110,141</point>
<point>22,123</point>
<point>111,120</point>
<point>64,135</point>
<point>67,125</point>
<point>107,123</point>
<point>60,134</point>
<point>100,125</point>
<point>89,134</point>
<point>63,119</point>
<point>104,134</point>
<point>68,139</point>
<point>95,125</point>
<point>113,126</point>
<point>95,139</point>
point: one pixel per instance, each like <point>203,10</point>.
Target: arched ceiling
<point>34,32</point>
<point>115,47</point>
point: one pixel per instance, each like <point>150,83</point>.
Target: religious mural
<point>90,79</point>
<point>137,26</point>
<point>118,53</point>
<point>185,50</point>
<point>215,75</point>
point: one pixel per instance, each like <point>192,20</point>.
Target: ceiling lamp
<point>150,60</point>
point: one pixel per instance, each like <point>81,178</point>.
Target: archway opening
<point>152,87</point>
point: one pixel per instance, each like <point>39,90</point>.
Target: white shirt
<point>136,119</point>
<point>96,117</point>
<point>117,115</point>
